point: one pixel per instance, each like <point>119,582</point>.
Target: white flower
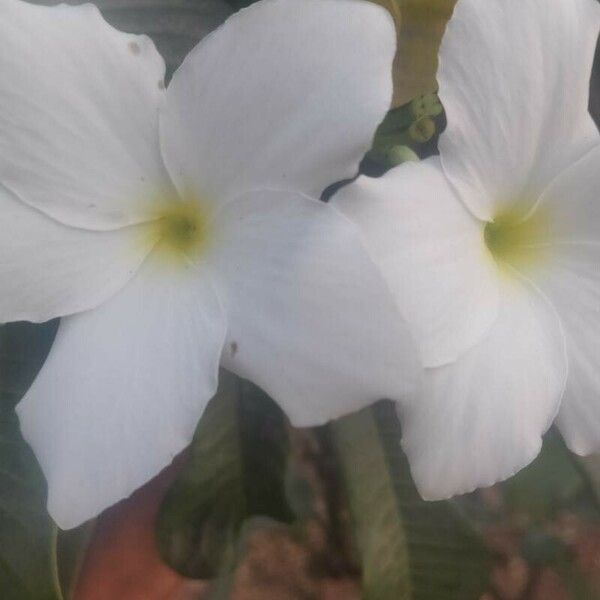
<point>172,226</point>
<point>493,248</point>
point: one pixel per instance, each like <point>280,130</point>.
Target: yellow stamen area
<point>180,229</point>
<point>517,240</point>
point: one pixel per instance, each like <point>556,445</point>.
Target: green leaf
<point>37,562</point>
<point>223,587</point>
<point>409,549</point>
<point>235,471</point>
<point>28,567</point>
<point>553,481</point>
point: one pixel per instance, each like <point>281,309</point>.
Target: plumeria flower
<point>493,248</point>
<point>176,228</point>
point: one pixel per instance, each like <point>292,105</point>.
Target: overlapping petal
<point>49,270</point>
<point>573,285</point>
<point>481,418</point>
<point>514,79</point>
<point>79,115</point>
<point>123,388</point>
<point>310,318</point>
<point>431,251</point>
<point>285,95</point>
<point>571,278</point>
<point>569,206</point>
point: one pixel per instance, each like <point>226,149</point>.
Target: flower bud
<point>417,108</point>
<point>428,105</point>
<point>433,106</point>
<point>396,155</point>
<point>423,130</point>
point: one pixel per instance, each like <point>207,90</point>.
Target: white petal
<point>287,94</point>
<point>514,79</point>
<point>311,320</point>
<point>79,115</point>
<point>432,253</point>
<point>481,419</point>
<point>50,270</point>
<point>573,286</point>
<point>571,278</point>
<point>569,206</point>
<point>123,389</point>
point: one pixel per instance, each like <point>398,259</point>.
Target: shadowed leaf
<point>551,482</point>
<point>235,471</point>
<point>27,534</point>
<point>410,549</point>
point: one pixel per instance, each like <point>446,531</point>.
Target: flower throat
<point>515,240</point>
<point>181,229</point>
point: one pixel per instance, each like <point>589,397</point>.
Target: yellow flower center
<point>180,229</point>
<point>514,239</point>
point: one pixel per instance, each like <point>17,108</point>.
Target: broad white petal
<point>514,79</point>
<point>569,208</point>
<point>123,388</point>
<point>286,94</point>
<point>572,282</point>
<point>50,270</point>
<point>79,115</point>
<point>432,253</point>
<point>311,321</point>
<point>481,419</point>
<point>570,276</point>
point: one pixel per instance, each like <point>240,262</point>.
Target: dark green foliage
<point>235,471</point>
<point>27,534</point>
<point>552,481</point>
<point>409,549</point>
